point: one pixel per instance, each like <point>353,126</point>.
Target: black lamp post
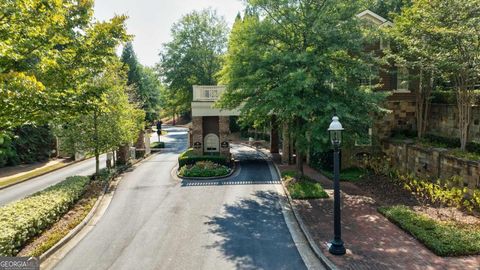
<point>335,129</point>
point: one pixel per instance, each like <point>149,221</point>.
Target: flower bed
<point>26,218</point>
<point>204,169</point>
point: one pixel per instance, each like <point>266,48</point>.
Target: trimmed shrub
<point>189,158</point>
<point>26,218</point>
<point>204,169</point>
<point>443,238</point>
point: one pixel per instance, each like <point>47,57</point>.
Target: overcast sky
<point>150,20</point>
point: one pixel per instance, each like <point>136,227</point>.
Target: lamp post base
<point>337,248</point>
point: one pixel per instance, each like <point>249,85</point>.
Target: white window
<point>402,79</point>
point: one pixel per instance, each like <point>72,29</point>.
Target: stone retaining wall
<point>432,163</point>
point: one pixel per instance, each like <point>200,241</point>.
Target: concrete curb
<point>89,216</point>
<point>41,174</point>
<point>311,242</point>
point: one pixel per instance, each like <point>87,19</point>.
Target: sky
<point>150,20</point>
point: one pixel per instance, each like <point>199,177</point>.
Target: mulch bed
<point>63,226</point>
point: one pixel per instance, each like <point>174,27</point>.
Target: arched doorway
<point>211,143</point>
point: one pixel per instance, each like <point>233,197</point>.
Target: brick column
<point>224,135</point>
<point>197,134</point>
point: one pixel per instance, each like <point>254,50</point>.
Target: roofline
<point>374,15</point>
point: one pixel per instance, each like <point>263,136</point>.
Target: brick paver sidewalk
<point>371,240</point>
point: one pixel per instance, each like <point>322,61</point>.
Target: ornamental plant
<point>24,219</point>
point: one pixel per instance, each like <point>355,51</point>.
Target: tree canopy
<point>144,82</point>
<point>193,57</point>
<point>301,61</point>
<point>443,36</point>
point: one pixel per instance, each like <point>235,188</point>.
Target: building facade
<point>210,133</point>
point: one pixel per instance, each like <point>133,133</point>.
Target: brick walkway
<point>372,241</point>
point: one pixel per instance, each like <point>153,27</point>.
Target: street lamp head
<point>335,130</point>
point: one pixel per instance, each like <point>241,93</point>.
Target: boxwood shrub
<point>189,158</point>
<point>22,220</point>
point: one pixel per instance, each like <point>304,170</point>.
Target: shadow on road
<point>254,234</point>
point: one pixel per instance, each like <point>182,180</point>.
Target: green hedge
<point>189,158</point>
<point>444,239</point>
<point>26,218</point>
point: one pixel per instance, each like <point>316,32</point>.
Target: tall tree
<point>109,121</point>
<point>34,37</point>
<point>145,83</point>
<point>301,61</point>
<point>447,34</point>
<point>193,56</point>
<point>388,8</point>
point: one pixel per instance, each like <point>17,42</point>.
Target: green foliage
<point>49,49</point>
<point>204,169</point>
<point>110,120</point>
<point>145,83</point>
<point>350,174</point>
<point>8,155</point>
<point>157,145</point>
<point>303,188</point>
<point>387,8</point>
<point>189,158</point>
<point>301,61</point>
<point>33,143</point>
<point>442,192</point>
<point>193,57</point>
<point>26,218</point>
<point>444,239</point>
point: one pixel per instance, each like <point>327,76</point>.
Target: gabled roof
<point>374,18</point>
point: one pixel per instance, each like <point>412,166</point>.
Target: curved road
<point>157,222</point>
<point>21,190</point>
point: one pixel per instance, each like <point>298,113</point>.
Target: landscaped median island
<point>202,166</point>
<point>31,226</point>
<point>303,187</point>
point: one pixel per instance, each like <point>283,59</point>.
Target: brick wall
<point>197,134</point>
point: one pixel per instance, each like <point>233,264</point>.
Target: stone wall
<point>443,122</point>
<point>401,116</point>
<point>224,135</point>
<point>432,163</point>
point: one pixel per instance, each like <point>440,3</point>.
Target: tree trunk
<point>423,102</point>
<point>97,146</point>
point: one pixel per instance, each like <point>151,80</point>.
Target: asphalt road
<point>157,222</point>
<point>33,185</point>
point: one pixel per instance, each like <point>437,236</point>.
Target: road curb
<point>47,254</point>
<point>303,227</point>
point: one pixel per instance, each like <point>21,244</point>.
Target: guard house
<point>210,132</point>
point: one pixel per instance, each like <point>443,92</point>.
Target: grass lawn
<point>444,239</point>
<point>304,188</point>
<point>16,179</point>
<point>349,174</point>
